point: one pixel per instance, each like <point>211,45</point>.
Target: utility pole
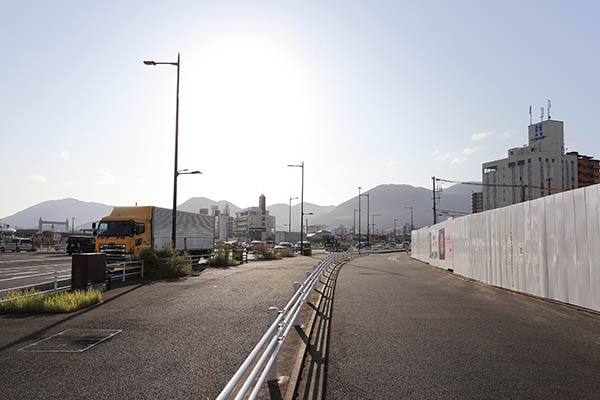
<point>367,195</point>
<point>411,216</point>
<point>359,219</point>
<point>368,208</point>
<point>290,216</point>
<point>434,211</point>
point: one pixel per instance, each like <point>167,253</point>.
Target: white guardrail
<point>280,324</point>
<point>122,270</point>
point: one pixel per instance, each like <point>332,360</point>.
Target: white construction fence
<point>549,247</point>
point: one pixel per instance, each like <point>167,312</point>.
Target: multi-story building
<point>225,225</point>
<point>476,202</point>
<point>255,223</point>
<point>532,171</point>
<point>588,169</point>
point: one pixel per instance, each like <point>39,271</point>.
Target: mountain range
<point>387,202</point>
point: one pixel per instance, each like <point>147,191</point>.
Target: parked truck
<point>128,230</point>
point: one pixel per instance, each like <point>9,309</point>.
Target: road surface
<point>402,329</point>
<point>16,267</point>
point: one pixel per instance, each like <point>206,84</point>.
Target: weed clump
<point>61,302</point>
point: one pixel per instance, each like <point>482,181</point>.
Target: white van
<point>16,244</point>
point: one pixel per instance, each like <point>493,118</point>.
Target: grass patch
<point>62,302</point>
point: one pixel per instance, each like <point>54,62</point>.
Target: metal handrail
<point>273,339</point>
<point>121,273</point>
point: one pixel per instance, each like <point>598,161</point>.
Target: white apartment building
<point>255,223</point>
<point>542,164</point>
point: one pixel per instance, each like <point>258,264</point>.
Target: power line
<point>500,185</point>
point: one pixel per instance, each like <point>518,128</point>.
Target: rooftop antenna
<point>549,105</point>
<point>530,118</point>
<point>542,120</point>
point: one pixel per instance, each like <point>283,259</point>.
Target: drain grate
<point>71,341</point>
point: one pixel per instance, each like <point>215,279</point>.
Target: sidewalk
<point>402,329</point>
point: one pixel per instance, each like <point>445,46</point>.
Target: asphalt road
<point>178,340</point>
<point>16,267</point>
<point>401,329</point>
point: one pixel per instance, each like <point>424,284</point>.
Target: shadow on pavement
<point>313,378</point>
<point>42,331</point>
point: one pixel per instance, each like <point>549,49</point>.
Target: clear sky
<point>364,92</point>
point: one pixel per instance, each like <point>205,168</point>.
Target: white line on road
<point>34,259</point>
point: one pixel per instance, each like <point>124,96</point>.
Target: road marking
<point>35,266</point>
<point>78,340</point>
<point>31,276</point>
<point>34,259</point>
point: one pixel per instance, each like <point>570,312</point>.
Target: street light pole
<point>375,215</point>
<point>411,216</point>
<point>395,219</point>
<point>175,173</point>
<point>301,207</point>
<point>359,219</point>
<point>354,224</point>
<point>290,219</point>
<point>367,195</point>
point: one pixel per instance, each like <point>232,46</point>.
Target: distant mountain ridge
<point>58,210</point>
<point>194,205</point>
<point>282,214</point>
<point>389,200</point>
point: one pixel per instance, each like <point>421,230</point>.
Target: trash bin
<point>87,268</point>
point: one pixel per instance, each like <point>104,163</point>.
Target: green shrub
<point>223,256</point>
<point>221,261</point>
<point>61,302</point>
<point>165,264</point>
<point>287,253</point>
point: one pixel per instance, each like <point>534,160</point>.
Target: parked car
<point>305,244</point>
<point>284,245</point>
<point>81,244</point>
<point>391,245</point>
<point>253,244</point>
<point>16,244</point>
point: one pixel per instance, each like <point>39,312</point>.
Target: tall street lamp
<point>301,206</point>
<point>359,219</point>
<point>354,224</point>
<point>175,172</point>
<point>367,195</point>
<point>395,219</point>
<point>411,216</point>
<point>290,220</point>
<point>375,215</point>
<point>308,213</point>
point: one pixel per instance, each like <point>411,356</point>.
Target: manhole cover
<point>71,341</point>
